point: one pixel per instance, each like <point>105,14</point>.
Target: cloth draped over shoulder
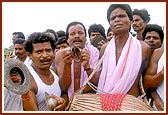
<point>160,89</point>
<point>94,57</point>
<point>118,78</point>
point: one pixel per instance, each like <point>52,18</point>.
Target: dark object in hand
<point>76,52</point>
<point>97,39</point>
<point>51,102</point>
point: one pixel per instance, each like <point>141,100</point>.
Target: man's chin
<point>78,45</point>
<point>45,67</point>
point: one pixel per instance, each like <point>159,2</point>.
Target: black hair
<point>72,24</point>
<point>96,28</point>
<point>125,7</point>
<point>143,13</point>
<point>61,40</point>
<point>61,33</point>
<point>153,27</point>
<point>53,32</point>
<point>38,37</point>
<point>20,34</point>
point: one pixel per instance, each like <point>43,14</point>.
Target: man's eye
<point>71,34</point>
<point>48,50</point>
<point>113,18</point>
<point>121,16</point>
<point>155,38</point>
<point>147,38</point>
<point>80,33</point>
<point>38,52</point>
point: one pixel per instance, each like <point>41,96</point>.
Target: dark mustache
<point>77,40</point>
<point>17,54</point>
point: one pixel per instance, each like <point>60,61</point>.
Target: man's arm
<point>88,65</point>
<point>152,79</point>
<point>29,99</point>
<point>63,66</point>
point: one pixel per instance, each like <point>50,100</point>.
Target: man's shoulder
<point>145,46</point>
<point>91,48</point>
<point>157,53</point>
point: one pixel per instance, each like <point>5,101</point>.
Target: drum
<point>16,76</point>
<point>106,102</point>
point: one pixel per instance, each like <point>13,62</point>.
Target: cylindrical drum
<point>106,102</point>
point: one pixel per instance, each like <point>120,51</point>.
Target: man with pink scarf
<point>74,72</point>
<point>125,57</point>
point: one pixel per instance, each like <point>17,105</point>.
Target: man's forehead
<point>15,35</point>
<point>95,33</point>
<point>43,44</point>
<point>18,45</point>
<point>76,27</point>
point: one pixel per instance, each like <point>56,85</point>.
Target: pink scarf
<point>119,78</point>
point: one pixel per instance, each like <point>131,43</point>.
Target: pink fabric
<point>94,57</point>
<point>119,78</point>
<point>111,102</point>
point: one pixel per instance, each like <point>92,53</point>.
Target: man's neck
<point>22,58</point>
<point>139,35</point>
<point>40,71</point>
<point>121,39</point>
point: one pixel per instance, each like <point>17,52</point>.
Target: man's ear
<point>146,23</point>
<point>29,55</point>
<point>68,41</point>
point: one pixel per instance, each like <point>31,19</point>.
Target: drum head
<point>16,76</point>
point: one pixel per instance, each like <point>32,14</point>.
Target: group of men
<point>125,60</point>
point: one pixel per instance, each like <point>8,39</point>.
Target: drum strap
<point>92,74</point>
<point>143,96</point>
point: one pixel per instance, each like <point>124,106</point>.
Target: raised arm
<point>63,67</point>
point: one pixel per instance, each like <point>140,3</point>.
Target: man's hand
<point>100,44</point>
<point>67,57</point>
<point>85,57</point>
<point>61,103</point>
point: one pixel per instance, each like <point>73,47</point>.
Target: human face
<point>119,21</point>
<point>15,36</point>
<point>110,35</point>
<point>76,36</point>
<point>61,46</point>
<point>138,24</point>
<point>42,55</point>
<point>153,39</point>
<point>20,52</point>
<point>92,35</point>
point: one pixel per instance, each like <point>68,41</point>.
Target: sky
<point>29,17</point>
